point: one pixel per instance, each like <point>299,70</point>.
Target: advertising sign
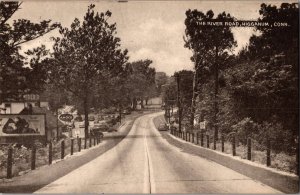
<point>66,117</point>
<point>22,125</point>
<point>31,97</point>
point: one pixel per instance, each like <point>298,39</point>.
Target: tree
<point>169,92</point>
<point>208,42</point>
<point>161,79</point>
<point>273,60</point>
<point>86,57</point>
<point>140,81</point>
<point>15,79</point>
<point>261,85</point>
<point>185,93</point>
<point>271,40</point>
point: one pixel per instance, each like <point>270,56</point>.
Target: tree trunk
<point>216,109</point>
<point>178,103</point>
<point>142,102</point>
<point>193,99</point>
<point>147,98</point>
<point>134,103</point>
<point>86,118</point>
<point>57,130</point>
<point>120,113</point>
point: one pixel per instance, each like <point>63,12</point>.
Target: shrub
<point>281,139</point>
<point>244,129</point>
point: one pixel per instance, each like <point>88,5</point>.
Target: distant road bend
<point>143,162</point>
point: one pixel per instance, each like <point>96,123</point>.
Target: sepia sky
<point>148,29</point>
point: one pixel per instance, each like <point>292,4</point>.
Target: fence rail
<point>53,151</point>
<point>248,148</point>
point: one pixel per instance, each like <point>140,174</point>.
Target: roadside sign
<point>203,125</point>
<point>31,97</point>
<point>20,128</point>
<point>66,117</point>
<point>22,125</point>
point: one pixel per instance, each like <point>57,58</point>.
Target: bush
<point>244,129</point>
<point>281,139</point>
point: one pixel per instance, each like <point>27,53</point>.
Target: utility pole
<point>178,101</point>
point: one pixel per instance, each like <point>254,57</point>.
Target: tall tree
<point>209,42</point>
<point>161,79</point>
<point>270,66</point>
<point>169,91</point>
<point>185,93</point>
<point>86,56</point>
<point>15,79</point>
<point>140,81</point>
<point>271,40</point>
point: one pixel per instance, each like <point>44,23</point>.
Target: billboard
<point>18,125</point>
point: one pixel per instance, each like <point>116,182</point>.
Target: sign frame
<point>26,138</point>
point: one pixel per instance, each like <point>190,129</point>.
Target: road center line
<point>149,167</point>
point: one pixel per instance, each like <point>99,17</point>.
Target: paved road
<point>144,162</point>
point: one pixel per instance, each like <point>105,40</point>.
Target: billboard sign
<point>18,125</point>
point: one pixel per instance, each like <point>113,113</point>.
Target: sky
<point>148,29</point>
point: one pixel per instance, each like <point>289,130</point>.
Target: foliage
<point>161,79</point>
<point>264,81</point>
<point>15,79</point>
<point>140,81</point>
<point>207,42</point>
<point>244,129</point>
<point>281,139</point>
<point>185,92</point>
<point>272,41</point>
<point>56,97</point>
<point>169,91</point>
<point>86,57</point>
<point>211,46</point>
<point>258,88</point>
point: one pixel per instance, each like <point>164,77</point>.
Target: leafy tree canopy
<point>15,79</point>
<point>87,56</point>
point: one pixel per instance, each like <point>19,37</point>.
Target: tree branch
<point>24,41</point>
<point>9,16</point>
